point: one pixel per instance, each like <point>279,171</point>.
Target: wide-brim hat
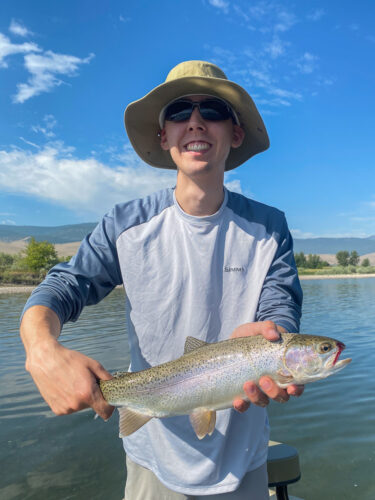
<point>195,78</point>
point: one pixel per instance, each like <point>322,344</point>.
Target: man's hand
<point>66,379</point>
<point>268,388</point>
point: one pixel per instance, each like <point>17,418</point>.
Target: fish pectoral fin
<point>203,422</point>
<point>283,378</point>
<point>191,343</point>
<point>131,421</point>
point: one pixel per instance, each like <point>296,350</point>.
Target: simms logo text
<point>229,269</point>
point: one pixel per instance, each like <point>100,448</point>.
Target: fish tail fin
<point>131,421</point>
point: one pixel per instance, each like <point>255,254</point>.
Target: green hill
<point>56,234</point>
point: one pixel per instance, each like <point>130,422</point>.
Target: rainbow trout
<point>208,377</point>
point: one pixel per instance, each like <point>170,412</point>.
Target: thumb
<point>98,403</point>
<point>99,371</point>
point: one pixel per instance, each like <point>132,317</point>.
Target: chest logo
<point>230,269</point>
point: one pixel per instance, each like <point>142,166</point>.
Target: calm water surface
<point>76,457</point>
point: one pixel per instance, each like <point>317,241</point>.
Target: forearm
<point>66,379</point>
<point>40,327</point>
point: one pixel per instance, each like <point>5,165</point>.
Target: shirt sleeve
<point>281,296</point>
<point>89,276</point>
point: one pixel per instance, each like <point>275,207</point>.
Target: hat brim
<point>142,119</point>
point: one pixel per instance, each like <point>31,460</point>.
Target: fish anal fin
<point>191,343</point>
<point>203,422</point>
<point>131,421</point>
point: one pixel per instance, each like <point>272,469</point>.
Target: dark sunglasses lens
<point>214,110</point>
<point>179,111</point>
<point>211,109</point>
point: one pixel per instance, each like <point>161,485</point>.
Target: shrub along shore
<point>22,272</point>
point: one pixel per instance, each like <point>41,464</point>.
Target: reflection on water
<point>77,457</point>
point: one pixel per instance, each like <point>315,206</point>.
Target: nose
<point>196,121</point>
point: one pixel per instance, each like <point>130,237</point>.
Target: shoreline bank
<point>303,277</point>
<point>13,289</point>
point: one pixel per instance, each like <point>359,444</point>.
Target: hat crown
<point>195,68</point>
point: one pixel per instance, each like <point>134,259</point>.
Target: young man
<point>195,260</point>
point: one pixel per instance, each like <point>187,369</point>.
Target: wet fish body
<point>208,377</point>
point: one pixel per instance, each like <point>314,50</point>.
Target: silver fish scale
<point>208,377</point>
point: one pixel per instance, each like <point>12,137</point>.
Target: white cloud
<point>276,47</point>
<point>8,48</point>
<point>8,222</point>
<point>234,185</point>
<point>307,63</point>
<point>315,15</point>
<point>29,142</point>
<point>43,69</point>
<point>54,173</point>
<point>219,4</point>
<point>49,123</point>
<point>284,21</point>
<point>287,94</point>
<point>19,29</point>
<point>297,233</point>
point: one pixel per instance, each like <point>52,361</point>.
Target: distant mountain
<point>76,232</point>
<point>56,234</point>
<point>334,245</point>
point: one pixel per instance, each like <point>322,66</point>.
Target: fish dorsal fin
<point>131,421</point>
<point>203,422</point>
<point>191,343</point>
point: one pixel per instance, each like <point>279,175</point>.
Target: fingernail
<point>266,385</point>
<point>251,389</point>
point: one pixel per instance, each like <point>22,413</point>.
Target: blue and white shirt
<point>186,275</point>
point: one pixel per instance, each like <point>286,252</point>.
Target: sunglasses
<point>212,109</point>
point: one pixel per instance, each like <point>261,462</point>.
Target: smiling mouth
<point>197,146</point>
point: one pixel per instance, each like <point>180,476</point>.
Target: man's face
<point>199,146</point>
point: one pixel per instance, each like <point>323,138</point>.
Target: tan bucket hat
<point>200,78</point>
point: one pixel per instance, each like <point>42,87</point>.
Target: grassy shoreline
<point>10,288</point>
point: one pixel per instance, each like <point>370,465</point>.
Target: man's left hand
<point>268,388</point>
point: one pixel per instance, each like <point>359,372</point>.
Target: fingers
<point>100,372</point>
<point>268,390</point>
<point>255,395</point>
<point>295,390</point>
<point>100,405</point>
<point>268,329</point>
<point>273,391</point>
<point>97,401</point>
<point>240,405</point>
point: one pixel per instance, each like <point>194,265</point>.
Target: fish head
<point>310,357</point>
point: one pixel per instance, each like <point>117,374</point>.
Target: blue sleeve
<point>89,276</point>
<point>281,296</point>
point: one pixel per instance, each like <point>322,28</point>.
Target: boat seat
<point>283,468</point>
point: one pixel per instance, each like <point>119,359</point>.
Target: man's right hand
<point>66,379</point>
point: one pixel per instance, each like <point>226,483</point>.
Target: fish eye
<point>324,347</point>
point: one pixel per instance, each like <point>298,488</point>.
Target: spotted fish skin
<point>208,377</point>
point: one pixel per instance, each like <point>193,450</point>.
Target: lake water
<point>76,457</point>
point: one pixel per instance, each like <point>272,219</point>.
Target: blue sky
<point>68,70</point>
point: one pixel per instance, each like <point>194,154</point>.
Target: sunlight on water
<point>77,457</point>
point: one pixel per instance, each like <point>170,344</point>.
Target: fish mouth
<point>343,362</point>
<point>340,364</point>
<point>340,347</point>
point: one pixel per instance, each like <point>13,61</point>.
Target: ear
<point>163,140</point>
<point>238,136</point>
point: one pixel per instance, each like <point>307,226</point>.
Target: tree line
<point>30,265</point>
<point>343,257</point>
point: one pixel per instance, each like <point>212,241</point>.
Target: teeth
<point>197,146</point>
